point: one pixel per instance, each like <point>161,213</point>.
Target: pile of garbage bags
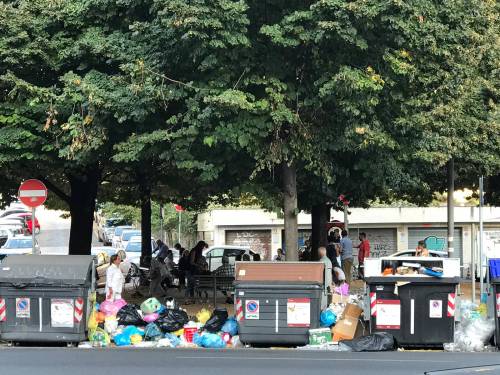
<point>474,330</point>
<point>153,324</point>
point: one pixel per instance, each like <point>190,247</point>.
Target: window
<point>128,235</point>
<point>233,253</point>
<point>18,244</point>
<point>133,247</point>
<point>216,253</point>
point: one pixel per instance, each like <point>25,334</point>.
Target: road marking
<point>312,359</point>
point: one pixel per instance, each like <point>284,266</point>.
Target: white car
<point>411,253</point>
<point>214,255</point>
<point>19,245</point>
<point>118,233</point>
<point>12,211</point>
<point>126,236</point>
<point>134,247</point>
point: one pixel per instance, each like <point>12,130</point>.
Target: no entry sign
<point>33,193</point>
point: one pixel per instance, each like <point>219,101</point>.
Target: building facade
<point>389,229</point>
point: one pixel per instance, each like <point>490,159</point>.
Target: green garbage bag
<point>150,306</point>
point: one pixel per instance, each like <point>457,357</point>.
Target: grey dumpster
<point>45,298</point>
<point>278,303</point>
<point>418,310</point>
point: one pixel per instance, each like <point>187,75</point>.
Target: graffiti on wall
<point>255,241</point>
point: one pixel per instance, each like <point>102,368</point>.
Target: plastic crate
<point>189,333</point>
<point>495,268</point>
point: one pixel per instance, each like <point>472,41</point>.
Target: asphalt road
<point>54,234</point>
<point>63,361</point>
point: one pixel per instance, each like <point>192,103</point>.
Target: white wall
<point>216,222</point>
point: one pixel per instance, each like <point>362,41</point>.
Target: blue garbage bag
<point>132,330</point>
<point>230,326</point>
<point>209,340</point>
<point>122,340</point>
<point>174,340</point>
<point>162,309</point>
<point>152,331</point>
<point>328,318</point>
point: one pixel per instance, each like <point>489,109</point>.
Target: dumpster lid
<point>46,269</point>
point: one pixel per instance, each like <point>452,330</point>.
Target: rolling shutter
<point>259,241</point>
<point>418,234</point>
<point>383,241</point>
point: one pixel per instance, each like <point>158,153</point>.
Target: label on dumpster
<point>298,312</point>
<point>435,308</point>
<point>62,313</point>
<point>252,309</point>
<point>388,314</point>
<point>23,308</point>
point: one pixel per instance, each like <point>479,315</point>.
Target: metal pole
<point>473,261</point>
<point>451,206</point>
<point>180,218</point>
<point>481,272</point>
<point>161,223</point>
<point>33,230</point>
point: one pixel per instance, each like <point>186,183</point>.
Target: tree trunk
<point>146,251</point>
<point>81,207</point>
<point>290,212</point>
<point>320,214</point>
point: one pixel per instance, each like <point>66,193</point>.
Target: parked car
<point>15,222</point>
<point>126,236</point>
<point>118,233</point>
<point>14,228</point>
<point>12,211</point>
<point>27,219</point>
<point>214,255</point>
<point>134,247</point>
<point>96,250</point>
<point>19,245</point>
<point>5,234</point>
<point>106,229</point>
<point>411,253</point>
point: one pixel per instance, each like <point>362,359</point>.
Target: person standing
<point>328,287</point>
<point>114,279</point>
<point>184,268</point>
<point>280,257</point>
<point>346,253</point>
<point>363,252</point>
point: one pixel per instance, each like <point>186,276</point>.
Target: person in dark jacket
<point>183,268</point>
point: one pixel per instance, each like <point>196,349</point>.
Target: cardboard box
<point>320,336</point>
<point>352,311</point>
<point>345,329</point>
<point>337,298</point>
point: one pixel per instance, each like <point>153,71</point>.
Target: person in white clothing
<point>114,279</point>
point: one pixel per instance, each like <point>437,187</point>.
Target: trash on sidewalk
<point>376,342</point>
<point>345,328</point>
<point>473,331</point>
<point>320,336</point>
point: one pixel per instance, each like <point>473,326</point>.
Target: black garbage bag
<point>129,315</point>
<point>216,321</point>
<point>377,342</point>
<point>172,320</point>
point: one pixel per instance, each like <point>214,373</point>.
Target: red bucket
<point>189,333</point>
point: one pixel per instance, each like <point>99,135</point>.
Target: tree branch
<point>53,188</point>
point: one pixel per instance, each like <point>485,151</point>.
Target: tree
<point>64,99</point>
<point>362,96</point>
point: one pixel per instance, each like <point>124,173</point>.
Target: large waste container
<point>418,310</point>
<point>495,283</point>
<point>45,297</point>
<point>277,303</point>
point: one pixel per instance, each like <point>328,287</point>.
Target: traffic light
<point>492,190</point>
